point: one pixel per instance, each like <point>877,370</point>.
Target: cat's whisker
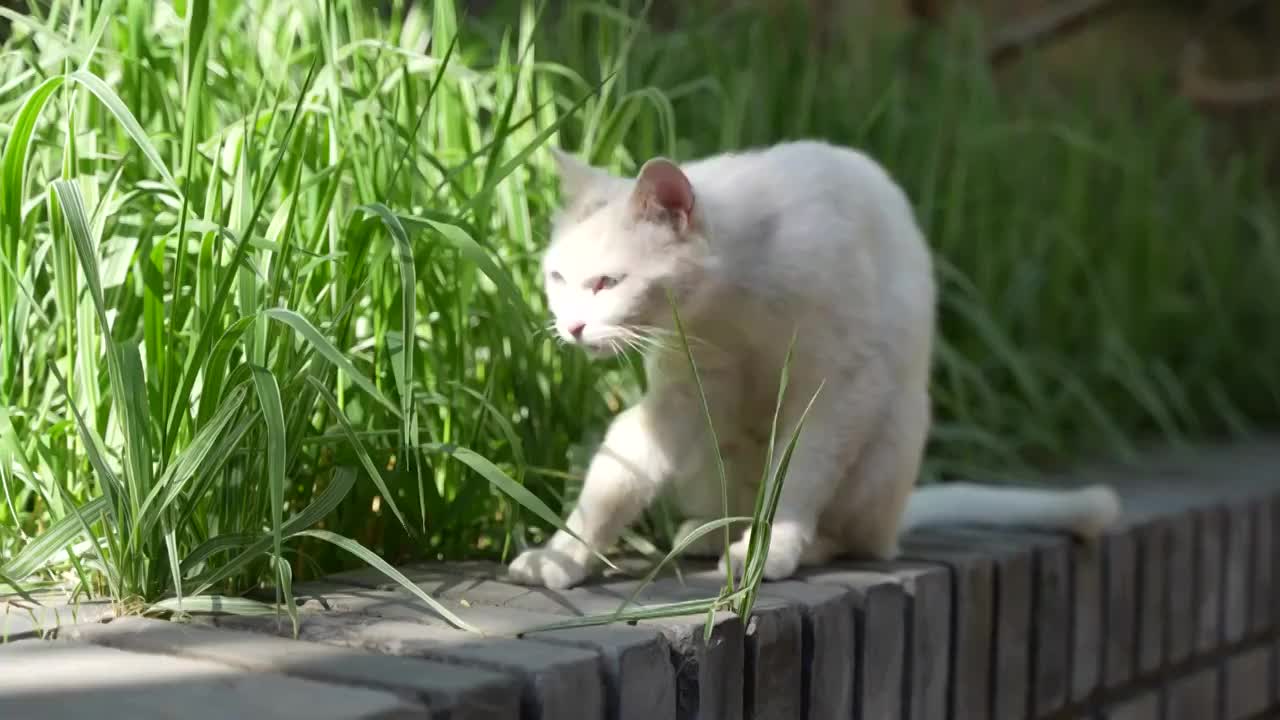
<point>643,331</point>
<point>640,342</point>
<point>636,345</point>
<point>670,338</point>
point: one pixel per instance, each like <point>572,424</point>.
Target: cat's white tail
<point>1084,512</point>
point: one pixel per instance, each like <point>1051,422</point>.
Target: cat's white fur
<point>803,240</point>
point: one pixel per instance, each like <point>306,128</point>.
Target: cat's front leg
<point>624,476</point>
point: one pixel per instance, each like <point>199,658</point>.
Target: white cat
<point>802,240</point>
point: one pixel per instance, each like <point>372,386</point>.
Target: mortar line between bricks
<point>1069,671</point>
<point>749,643</point>
<point>908,653</point>
<point>1251,547</point>
<point>1220,634</point>
<point>1273,676</point>
<point>1197,538</point>
<point>1220,683</point>
<point>1140,592</point>
<point>806,663</point>
<point>1155,682</point>
<point>1033,633</point>
<point>1104,619</point>
<point>953,639</point>
<point>993,652</point>
<point>859,666</point>
<point>1274,502</point>
<point>1162,704</point>
<point>1166,600</point>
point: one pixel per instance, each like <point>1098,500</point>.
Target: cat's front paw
<point>786,547</point>
<point>547,568</point>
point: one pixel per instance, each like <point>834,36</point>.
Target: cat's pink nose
<point>576,330</point>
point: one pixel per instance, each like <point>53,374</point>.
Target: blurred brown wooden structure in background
<point>1222,55</point>
<point>1226,53</point>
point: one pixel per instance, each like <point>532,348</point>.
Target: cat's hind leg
<point>821,551</point>
<point>699,498</point>
<point>839,425</point>
<point>865,516</point>
<point>705,547</point>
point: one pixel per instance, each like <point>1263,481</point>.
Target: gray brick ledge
<point>1174,614</point>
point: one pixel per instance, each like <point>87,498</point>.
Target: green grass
<point>216,239</point>
<point>219,223</point>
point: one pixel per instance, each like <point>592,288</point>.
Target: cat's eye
<point>557,277</point>
<point>604,282</point>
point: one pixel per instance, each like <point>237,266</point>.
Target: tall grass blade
<point>383,567</point>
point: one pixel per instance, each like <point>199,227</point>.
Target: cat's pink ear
<point>663,194</point>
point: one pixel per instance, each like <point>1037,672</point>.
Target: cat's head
<point>619,248</point>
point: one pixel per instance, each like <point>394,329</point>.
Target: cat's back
<point>810,208</point>
<point>802,171</point>
<point>820,240</point>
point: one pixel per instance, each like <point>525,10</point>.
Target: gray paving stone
<point>709,675</point>
<point>1051,613</point>
<point>67,680</point>
<point>1011,676</point>
<point>1237,565</point>
<point>1088,608</point>
<point>1193,696</point>
<point>1120,620</point>
<point>773,641</point>
<point>880,612</point>
<point>1053,617</point>
<point>639,677</point>
<point>560,682</point>
<point>448,690</point>
<point>1248,683</point>
<point>20,619</point>
<point>1210,577</point>
<point>1152,591</point>
<point>773,662</point>
<point>928,588</point>
<point>1180,602</point>
<point>828,648</point>
<point>972,589</point>
<point>709,672</point>
<point>1262,600</point>
<point>1143,707</point>
<point>1274,554</point>
<point>1012,681</point>
<point>1275,671</point>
